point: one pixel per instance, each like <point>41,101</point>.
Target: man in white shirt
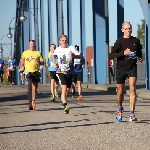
<point>65,55</point>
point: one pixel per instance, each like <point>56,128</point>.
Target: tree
<point>141,35</point>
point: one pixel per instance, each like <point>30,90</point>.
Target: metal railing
<point>141,72</point>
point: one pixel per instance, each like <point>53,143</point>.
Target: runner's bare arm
<point>54,60</point>
<point>47,60</point>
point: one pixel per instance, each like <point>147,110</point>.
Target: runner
<point>126,49</point>
<point>78,64</point>
<point>31,60</point>
<point>12,68</point>
<point>65,55</point>
<point>1,71</point>
<point>7,74</point>
<point>111,63</point>
<point>52,72</point>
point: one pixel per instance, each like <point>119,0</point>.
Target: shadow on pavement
<point>62,125</point>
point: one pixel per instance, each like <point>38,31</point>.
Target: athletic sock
<point>120,109</point>
<point>131,112</point>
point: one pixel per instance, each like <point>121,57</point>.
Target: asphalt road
<point>90,125</point>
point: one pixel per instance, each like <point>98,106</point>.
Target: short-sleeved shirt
<point>31,60</point>
<point>50,62</point>
<point>1,64</point>
<point>64,59</point>
<point>11,64</point>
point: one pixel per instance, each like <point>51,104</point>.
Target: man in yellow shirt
<point>32,61</point>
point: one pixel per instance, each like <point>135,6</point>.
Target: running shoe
<point>62,105</point>
<point>52,98</point>
<point>119,116</point>
<point>132,117</point>
<point>33,104</point>
<point>80,98</point>
<point>56,94</point>
<point>66,109</point>
<point>30,106</point>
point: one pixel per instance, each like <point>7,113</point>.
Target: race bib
<point>11,68</point>
<point>51,64</point>
<point>64,67</point>
<point>77,61</point>
<point>0,65</point>
<point>132,55</point>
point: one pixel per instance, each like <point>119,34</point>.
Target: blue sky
<point>132,13</point>
<point>7,12</point>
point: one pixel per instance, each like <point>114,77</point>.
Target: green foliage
<point>141,33</point>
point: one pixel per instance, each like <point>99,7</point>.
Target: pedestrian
<point>65,54</point>
<point>7,73</point>
<point>1,71</point>
<point>31,62</point>
<point>111,64</point>
<point>12,68</point>
<point>52,71</point>
<point>127,50</point>
<point>21,72</point>
<point>78,65</point>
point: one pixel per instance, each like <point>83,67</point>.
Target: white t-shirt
<point>64,58</point>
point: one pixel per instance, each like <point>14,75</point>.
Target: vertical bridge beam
<point>99,44</point>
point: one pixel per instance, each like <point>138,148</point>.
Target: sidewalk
<point>140,86</point>
<point>142,92</point>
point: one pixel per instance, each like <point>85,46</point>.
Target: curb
<point>99,87</point>
<point>141,93</point>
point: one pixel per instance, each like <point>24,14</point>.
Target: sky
<point>8,11</point>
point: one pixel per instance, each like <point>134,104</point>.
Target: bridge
<point>47,20</point>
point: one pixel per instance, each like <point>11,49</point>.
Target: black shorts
<point>122,74</point>
<point>77,76</point>
<point>65,79</point>
<point>53,75</point>
<point>21,71</point>
<point>35,76</point>
<point>1,72</point>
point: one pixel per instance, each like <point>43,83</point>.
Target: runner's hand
<point>41,67</point>
<point>140,60</point>
<point>127,51</point>
<point>55,65</point>
<point>72,54</point>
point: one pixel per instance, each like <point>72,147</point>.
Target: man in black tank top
<point>127,50</point>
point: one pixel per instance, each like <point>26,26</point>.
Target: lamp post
<point>1,52</point>
<point>5,44</point>
<point>62,16</point>
<point>23,18</point>
<point>9,35</point>
<point>107,42</point>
